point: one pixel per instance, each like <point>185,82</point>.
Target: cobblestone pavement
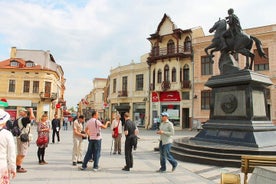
<point>60,170</point>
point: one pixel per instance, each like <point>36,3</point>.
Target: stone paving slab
<point>146,162</point>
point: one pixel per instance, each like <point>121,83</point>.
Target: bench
<point>249,162</point>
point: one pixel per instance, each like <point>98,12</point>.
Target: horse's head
<point>220,25</point>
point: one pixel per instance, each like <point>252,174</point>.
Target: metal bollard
<point>227,178</point>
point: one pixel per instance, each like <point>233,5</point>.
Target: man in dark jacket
<point>131,133</point>
<point>55,128</point>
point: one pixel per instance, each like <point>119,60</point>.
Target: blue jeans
<point>93,152</point>
<point>165,154</point>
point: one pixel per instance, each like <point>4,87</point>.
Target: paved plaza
<point>60,170</point>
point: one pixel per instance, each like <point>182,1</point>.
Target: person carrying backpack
<point>25,127</point>
<point>116,127</point>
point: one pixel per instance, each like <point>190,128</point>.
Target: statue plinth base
<point>239,111</point>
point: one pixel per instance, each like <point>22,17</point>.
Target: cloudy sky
<point>89,37</point>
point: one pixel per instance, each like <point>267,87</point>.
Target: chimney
<point>13,52</point>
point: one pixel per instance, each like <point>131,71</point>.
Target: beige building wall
<point>94,100</point>
<point>136,102</point>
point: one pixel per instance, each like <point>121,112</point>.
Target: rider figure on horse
<point>234,27</point>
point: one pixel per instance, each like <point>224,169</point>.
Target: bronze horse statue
<point>239,43</point>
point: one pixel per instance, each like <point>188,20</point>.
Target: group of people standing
<point>130,130</point>
<point>10,163</point>
<point>92,131</point>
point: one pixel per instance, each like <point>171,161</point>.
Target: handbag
<point>25,136</point>
<point>116,131</point>
<point>83,137</point>
<point>42,140</point>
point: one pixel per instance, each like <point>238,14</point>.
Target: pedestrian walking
<point>7,151</point>
<point>166,131</point>
<point>55,128</point>
<point>78,136</point>
<point>117,130</point>
<point>93,129</point>
<point>131,132</point>
<point>65,123</point>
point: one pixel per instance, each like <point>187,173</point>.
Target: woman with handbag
<point>43,130</point>
<point>116,127</point>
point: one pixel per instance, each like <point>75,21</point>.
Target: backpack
<point>13,128</point>
<point>116,131</point>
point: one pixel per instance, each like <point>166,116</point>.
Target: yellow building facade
<point>25,83</point>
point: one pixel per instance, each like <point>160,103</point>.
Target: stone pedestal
<point>238,111</point>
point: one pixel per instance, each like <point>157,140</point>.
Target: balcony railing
<point>122,93</point>
<point>186,84</point>
<point>166,85</point>
<point>50,96</point>
<point>155,52</point>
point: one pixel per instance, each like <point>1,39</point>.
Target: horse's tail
<point>259,47</point>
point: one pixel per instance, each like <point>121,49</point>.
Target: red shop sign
<point>58,105</point>
<point>154,97</point>
<point>169,96</point>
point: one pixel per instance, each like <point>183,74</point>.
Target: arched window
<point>173,74</point>
<point>187,44</point>
<point>153,80</point>
<point>170,47</point>
<point>186,71</point>
<point>166,73</point>
<point>159,76</point>
<point>180,74</point>
<point>155,49</point>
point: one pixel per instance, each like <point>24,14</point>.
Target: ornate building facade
<point>171,73</point>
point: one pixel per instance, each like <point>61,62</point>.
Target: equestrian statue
<point>232,40</point>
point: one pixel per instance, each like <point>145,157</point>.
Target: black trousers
<point>53,135</point>
<point>128,153</point>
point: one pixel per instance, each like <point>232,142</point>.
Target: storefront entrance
<point>185,118</point>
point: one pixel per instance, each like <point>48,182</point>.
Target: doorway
<point>185,118</point>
